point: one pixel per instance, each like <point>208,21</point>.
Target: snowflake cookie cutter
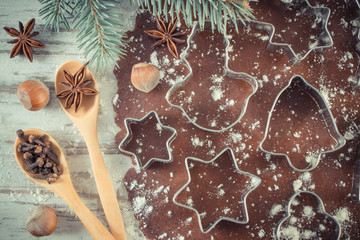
<point>159,127</point>
<point>320,210</point>
<point>327,118</point>
<point>325,38</point>
<point>227,72</point>
<point>254,183</point>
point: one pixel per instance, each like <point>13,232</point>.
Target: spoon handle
<point>104,185</point>
<point>97,230</point>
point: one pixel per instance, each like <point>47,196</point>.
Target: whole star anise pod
<point>76,88</point>
<point>166,34</point>
<point>23,41</point>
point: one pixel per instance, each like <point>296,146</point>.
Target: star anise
<point>23,41</point>
<point>76,88</point>
<point>166,34</point>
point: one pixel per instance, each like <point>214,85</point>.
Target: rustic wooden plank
<point>18,195</point>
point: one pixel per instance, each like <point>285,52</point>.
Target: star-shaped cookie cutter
<point>322,12</point>
<point>159,127</point>
<point>327,116</point>
<point>320,210</point>
<point>255,182</point>
<point>227,72</point>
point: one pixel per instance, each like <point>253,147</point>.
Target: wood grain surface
<point>18,194</point>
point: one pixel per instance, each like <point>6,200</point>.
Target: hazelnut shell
<point>145,77</point>
<point>41,221</point>
<point>33,94</point>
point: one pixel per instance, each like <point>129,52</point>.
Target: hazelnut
<point>41,221</point>
<point>33,94</point>
<point>145,77</point>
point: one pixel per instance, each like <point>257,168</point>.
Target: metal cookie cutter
<point>327,117</point>
<point>129,137</point>
<point>252,183</point>
<point>354,8</point>
<point>355,188</point>
<point>227,72</point>
<point>320,210</point>
<point>307,9</point>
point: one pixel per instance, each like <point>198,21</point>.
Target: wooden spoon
<point>85,119</point>
<point>64,188</point>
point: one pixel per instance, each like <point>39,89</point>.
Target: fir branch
<point>99,27</point>
<point>54,13</point>
<point>99,31</point>
<point>217,11</point>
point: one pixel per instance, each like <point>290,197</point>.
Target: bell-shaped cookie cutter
<point>235,75</point>
<point>327,116</point>
<point>255,183</point>
<point>308,10</point>
<point>129,136</point>
<point>321,210</point>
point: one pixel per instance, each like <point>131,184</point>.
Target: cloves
<point>27,155</point>
<point>35,170</point>
<point>51,180</point>
<point>51,155</point>
<point>48,164</point>
<point>38,149</point>
<point>25,147</point>
<point>40,162</point>
<point>39,157</point>
<point>20,134</point>
<point>39,141</point>
<point>32,166</point>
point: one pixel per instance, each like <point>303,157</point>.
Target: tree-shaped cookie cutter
<point>255,182</point>
<point>320,210</point>
<point>235,75</point>
<point>327,117</point>
<point>159,126</point>
<point>307,9</point>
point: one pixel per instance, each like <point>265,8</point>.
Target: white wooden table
<point>18,194</point>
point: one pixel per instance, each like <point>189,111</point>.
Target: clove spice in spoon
<point>38,156</point>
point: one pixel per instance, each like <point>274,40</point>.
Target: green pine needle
<point>100,34</point>
<point>54,13</point>
<point>217,11</point>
